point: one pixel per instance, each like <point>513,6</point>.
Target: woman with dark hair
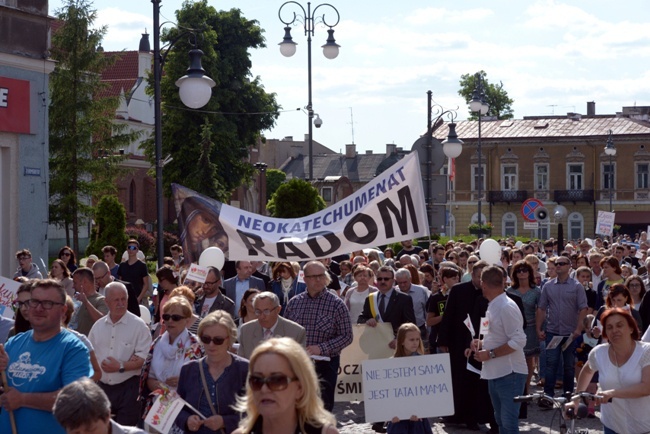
<point>23,295</point>
<point>611,275</point>
<point>58,271</point>
<point>285,283</point>
<point>198,223</point>
<point>524,285</point>
<point>246,310</point>
<point>636,287</point>
<point>66,254</point>
<point>389,253</point>
<point>623,366</point>
<point>619,296</point>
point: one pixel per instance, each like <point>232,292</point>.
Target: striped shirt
<point>325,318</point>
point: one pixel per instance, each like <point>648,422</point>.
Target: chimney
<point>591,108</point>
<point>390,149</point>
<point>350,151</point>
<point>307,138</point>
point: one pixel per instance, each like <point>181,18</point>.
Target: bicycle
<point>558,404</point>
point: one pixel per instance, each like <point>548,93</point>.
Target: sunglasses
<point>560,264</point>
<point>522,270</point>
<point>132,247</point>
<point>275,382</point>
<point>380,279</point>
<point>174,317</point>
<point>65,254</point>
<point>215,340</point>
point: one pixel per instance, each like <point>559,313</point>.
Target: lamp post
<point>262,185</point>
<point>195,90</point>
<point>480,107</point>
<point>452,146</point>
<point>309,19</point>
<point>610,150</point>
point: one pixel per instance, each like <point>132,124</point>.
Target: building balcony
<point>574,196</point>
<point>507,196</point>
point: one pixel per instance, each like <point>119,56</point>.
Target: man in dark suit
<point>387,305</point>
<point>213,298</point>
<point>244,280</point>
<point>268,324</point>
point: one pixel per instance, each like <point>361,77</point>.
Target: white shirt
<point>506,325</point>
<point>127,337</point>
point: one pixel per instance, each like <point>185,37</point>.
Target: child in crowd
<point>409,343</point>
<point>584,344</point>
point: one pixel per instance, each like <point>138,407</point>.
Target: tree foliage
<point>495,96</point>
<point>204,179</point>
<point>110,221</point>
<point>84,162</point>
<point>274,178</point>
<point>296,198</point>
<point>239,108</point>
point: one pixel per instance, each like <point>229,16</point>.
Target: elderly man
<point>121,342</point>
<point>326,320</point>
<point>213,297</point>
<point>268,324</point>
<point>244,280</point>
<point>502,351</point>
<point>388,305</point>
<point>40,362</point>
<point>419,296</point>
<point>83,407</point>
<point>93,306</point>
<point>103,276</point>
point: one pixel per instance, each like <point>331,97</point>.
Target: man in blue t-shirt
<point>40,362</point>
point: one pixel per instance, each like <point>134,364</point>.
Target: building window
<point>326,192</point>
<point>132,196</point>
<point>475,218</point>
<point>609,175</point>
<point>642,170</point>
<point>475,178</point>
<point>543,231</point>
<point>576,226</point>
<point>508,177</point>
<point>541,176</point>
<point>574,176</point>
<point>509,225</point>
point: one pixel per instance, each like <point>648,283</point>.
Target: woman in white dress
<point>357,295</point>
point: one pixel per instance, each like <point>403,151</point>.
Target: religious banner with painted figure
<point>390,208</point>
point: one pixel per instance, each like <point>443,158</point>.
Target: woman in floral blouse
<point>169,351</point>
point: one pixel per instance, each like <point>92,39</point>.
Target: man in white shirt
<point>121,342</point>
<point>502,351</point>
<point>419,296</point>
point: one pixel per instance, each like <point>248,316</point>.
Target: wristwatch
<point>121,371</point>
<point>492,354</point>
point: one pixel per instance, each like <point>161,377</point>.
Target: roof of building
<point>551,127</point>
<point>121,75</point>
<point>360,168</point>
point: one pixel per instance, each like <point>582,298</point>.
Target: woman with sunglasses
<point>211,384</point>
<point>169,351</point>
<point>66,254</point>
<point>282,394</point>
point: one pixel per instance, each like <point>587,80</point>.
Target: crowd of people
<point>256,347</point>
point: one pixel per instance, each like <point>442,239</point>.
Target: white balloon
<point>518,244</point>
<point>490,251</point>
<point>212,256</point>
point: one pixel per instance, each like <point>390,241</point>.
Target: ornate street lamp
<point>610,150</point>
<point>309,19</point>
<point>479,106</point>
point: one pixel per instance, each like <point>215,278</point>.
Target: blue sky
<point>551,55</point>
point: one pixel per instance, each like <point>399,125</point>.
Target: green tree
<point>110,222</point>
<point>239,108</point>
<point>84,140</point>
<point>205,179</point>
<point>495,96</point>
<point>274,178</point>
<point>296,198</point>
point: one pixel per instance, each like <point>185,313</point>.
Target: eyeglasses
<point>210,283</point>
<point>215,340</point>
<point>24,258</point>
<point>560,264</point>
<point>65,254</point>
<point>102,276</point>
<point>20,304</point>
<point>266,312</point>
<point>132,247</point>
<point>472,262</point>
<point>275,382</point>
<point>175,318</point>
<point>46,304</point>
<point>380,279</point>
<point>314,276</point>
<point>522,271</point>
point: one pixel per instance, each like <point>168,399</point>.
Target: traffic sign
<point>528,209</point>
<point>531,225</point>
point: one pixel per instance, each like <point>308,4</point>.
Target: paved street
<point>351,421</point>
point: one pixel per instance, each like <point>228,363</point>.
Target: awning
<point>632,217</point>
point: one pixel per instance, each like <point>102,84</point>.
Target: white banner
<point>8,290</point>
<point>388,209</point>
<point>605,223</point>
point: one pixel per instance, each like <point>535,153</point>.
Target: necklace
<point>626,356</point>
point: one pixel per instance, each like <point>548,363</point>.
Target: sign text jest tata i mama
<point>388,209</point>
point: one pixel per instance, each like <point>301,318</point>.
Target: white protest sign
<point>407,386</point>
<point>8,290</point>
<point>367,343</point>
<point>605,223</point>
<point>164,411</point>
<point>197,273</point>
